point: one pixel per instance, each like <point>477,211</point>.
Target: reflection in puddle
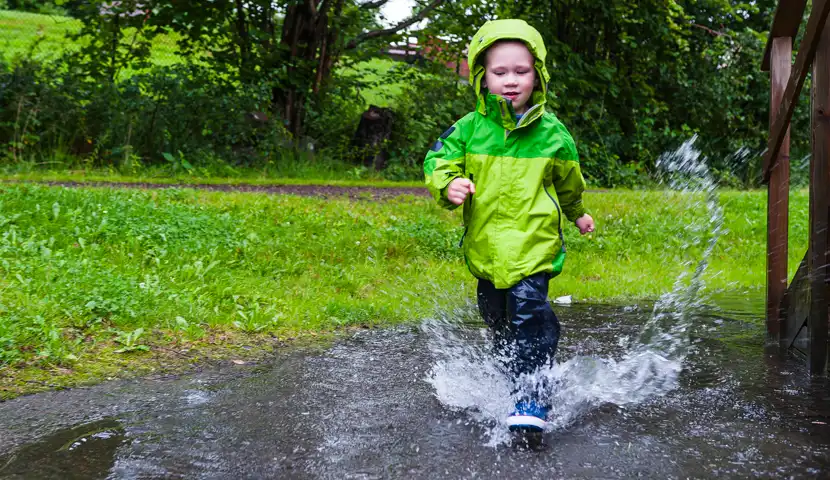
<point>86,451</point>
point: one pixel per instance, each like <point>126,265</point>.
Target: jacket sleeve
<point>444,163</point>
<point>568,180</point>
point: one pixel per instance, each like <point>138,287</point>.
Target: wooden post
<point>820,206</point>
<point>806,53</point>
<point>778,193</point>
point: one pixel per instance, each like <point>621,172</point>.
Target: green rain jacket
<point>526,174</point>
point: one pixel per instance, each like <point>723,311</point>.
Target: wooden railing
<point>786,84</point>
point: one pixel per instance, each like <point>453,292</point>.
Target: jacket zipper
<point>559,211</point>
<point>461,242</point>
<point>470,200</point>
<point>527,115</point>
<point>522,121</point>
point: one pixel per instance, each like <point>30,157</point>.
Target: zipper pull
<point>469,198</point>
<point>461,242</point>
<point>468,203</point>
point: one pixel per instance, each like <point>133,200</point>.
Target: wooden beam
<point>778,194</point>
<point>798,310</point>
<point>806,52</point>
<point>820,207</point>
<point>785,23</point>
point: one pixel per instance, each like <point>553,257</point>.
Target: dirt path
<point>374,193</point>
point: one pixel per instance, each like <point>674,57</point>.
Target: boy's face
<point>509,72</point>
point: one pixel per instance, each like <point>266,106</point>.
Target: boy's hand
<point>585,224</point>
<point>459,189</point>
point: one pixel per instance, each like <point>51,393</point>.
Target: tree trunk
<point>372,136</point>
<point>329,50</point>
<point>301,38</point>
<point>244,42</point>
<point>310,46</point>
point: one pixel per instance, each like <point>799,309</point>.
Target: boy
<point>515,169</point>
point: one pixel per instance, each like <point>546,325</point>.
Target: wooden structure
<point>797,316</point>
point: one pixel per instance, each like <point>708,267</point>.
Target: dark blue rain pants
<point>525,329</point>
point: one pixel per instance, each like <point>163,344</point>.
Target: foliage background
<point>219,85</point>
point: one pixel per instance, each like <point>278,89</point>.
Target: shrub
<point>430,103</point>
<point>168,112</point>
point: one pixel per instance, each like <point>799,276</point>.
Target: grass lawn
<point>95,281</point>
<point>20,31</point>
<point>372,72</point>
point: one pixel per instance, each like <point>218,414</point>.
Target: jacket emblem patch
<point>439,144</point>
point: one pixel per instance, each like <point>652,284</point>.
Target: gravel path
<point>300,190</point>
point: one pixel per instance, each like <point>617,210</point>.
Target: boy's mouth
<point>510,95</point>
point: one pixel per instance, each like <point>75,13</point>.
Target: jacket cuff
<point>445,202</point>
<point>574,210</point>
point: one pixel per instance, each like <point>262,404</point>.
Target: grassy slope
<point>19,31</point>
<point>371,71</point>
<point>82,269</point>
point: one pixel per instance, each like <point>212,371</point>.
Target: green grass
<point>641,238</point>
<point>373,71</point>
<point>102,273</point>
<point>20,31</point>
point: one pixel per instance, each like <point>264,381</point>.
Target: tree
<point>632,78</point>
<point>293,44</point>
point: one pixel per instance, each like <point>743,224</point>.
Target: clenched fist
<point>459,189</point>
<point>585,224</point>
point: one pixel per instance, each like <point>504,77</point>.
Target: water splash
<point>467,375</point>
<point>684,170</point>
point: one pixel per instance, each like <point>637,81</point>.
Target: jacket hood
<point>508,29</point>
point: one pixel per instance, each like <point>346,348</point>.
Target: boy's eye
<point>498,74</point>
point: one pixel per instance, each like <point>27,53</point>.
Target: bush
<point>177,112</point>
<point>332,119</point>
<point>430,103</point>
